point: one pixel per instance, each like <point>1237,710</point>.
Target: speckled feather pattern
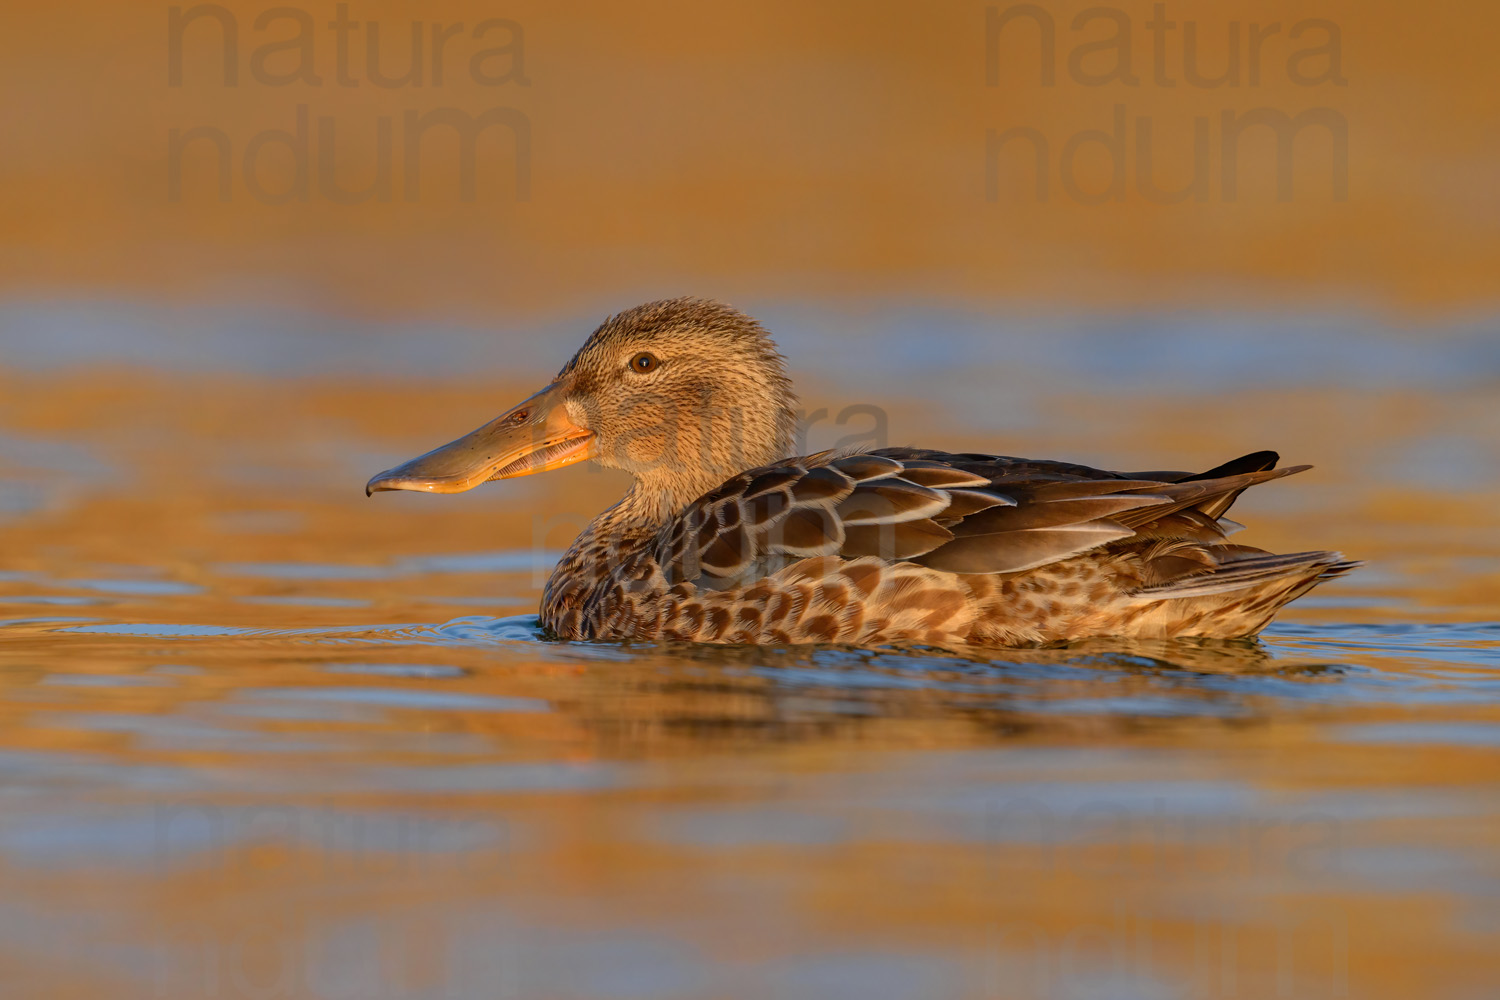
<point>909,547</point>
<point>897,546</point>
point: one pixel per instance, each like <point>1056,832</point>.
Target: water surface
<point>263,737</point>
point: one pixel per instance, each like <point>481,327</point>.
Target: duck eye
<point>643,362</point>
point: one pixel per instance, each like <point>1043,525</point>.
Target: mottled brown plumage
<point>724,538</point>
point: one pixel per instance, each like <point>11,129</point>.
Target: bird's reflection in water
<point>791,693</point>
<point>1191,655</point>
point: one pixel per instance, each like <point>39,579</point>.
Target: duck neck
<point>708,455</point>
<point>654,502</point>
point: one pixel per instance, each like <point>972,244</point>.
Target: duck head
<point>682,394</point>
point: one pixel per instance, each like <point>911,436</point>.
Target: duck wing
<point>961,513</point>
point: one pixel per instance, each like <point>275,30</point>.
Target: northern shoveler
<point>726,538</point>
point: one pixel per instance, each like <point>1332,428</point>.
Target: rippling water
<point>264,737</point>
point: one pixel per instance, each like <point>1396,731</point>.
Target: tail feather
<point>1188,579</point>
<point>1338,569</point>
<point>1252,571</point>
<point>1211,497</point>
<point>1257,461</point>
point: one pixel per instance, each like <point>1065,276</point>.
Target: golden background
<point>263,737</point>
<point>770,150</point>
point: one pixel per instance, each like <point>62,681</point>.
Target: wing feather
<point>960,513</point>
<point>1014,551</point>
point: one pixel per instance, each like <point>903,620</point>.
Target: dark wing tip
<point>1256,461</point>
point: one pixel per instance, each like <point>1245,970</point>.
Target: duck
<point>725,536</point>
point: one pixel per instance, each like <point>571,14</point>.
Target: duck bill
<point>536,436</point>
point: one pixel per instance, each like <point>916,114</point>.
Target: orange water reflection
<point>264,737</point>
<point>261,737</point>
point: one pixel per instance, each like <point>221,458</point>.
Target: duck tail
<point>1241,596</point>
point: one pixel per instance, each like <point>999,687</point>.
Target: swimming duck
<point>726,537</point>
